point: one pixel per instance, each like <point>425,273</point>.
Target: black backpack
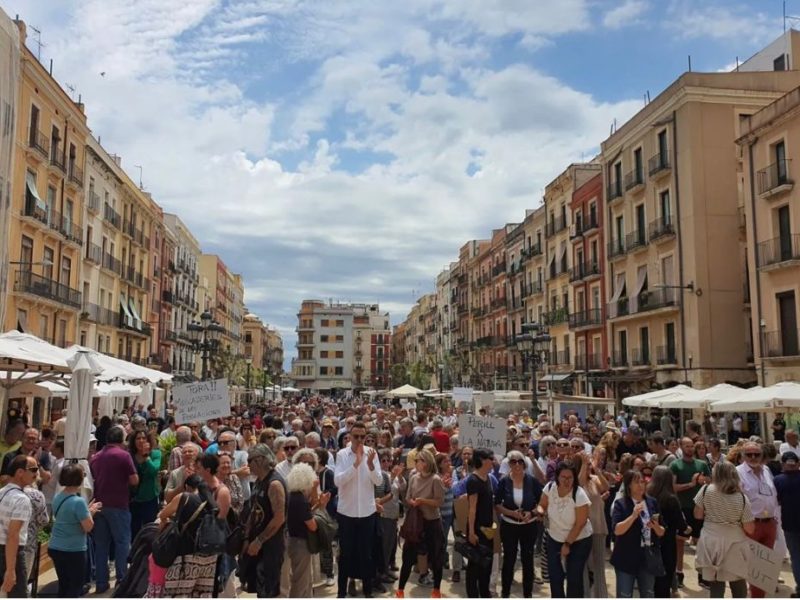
<point>212,534</point>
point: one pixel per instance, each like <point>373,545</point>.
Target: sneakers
<point>400,594</point>
<point>425,579</point>
<point>436,593</point>
<point>329,581</point>
<point>456,578</point>
<point>702,582</point>
<point>679,576</point>
<point>388,578</point>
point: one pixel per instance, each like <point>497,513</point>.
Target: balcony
<point>634,180</point>
<point>774,180</point>
<point>30,283</point>
<point>167,297</point>
<point>94,253</point>
<point>498,303</point>
<point>661,228</point>
<point>66,227</point>
<point>169,335</point>
<point>614,191</point>
<point>635,240</point>
<point>485,341</point>
<point>588,362</point>
<point>112,264</point>
<point>646,301</point>
<point>576,231</point>
<point>57,160</point>
<point>586,318</point>
<point>556,225</point>
<point>498,270</point>
<point>111,216</point>
<point>556,316</point>
<point>658,165</point>
<point>38,141</point>
<point>93,202</point>
<point>584,270</point>
<point>560,358</point>
<point>75,176</point>
<point>616,249</point>
<point>535,249</point>
<point>591,223</point>
<point>779,252</point>
<point>33,210</point>
<point>782,343</point>
<point>640,357</point>
<point>666,355</point>
<point>619,358</point>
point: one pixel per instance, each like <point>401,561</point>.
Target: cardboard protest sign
<point>483,432</point>
<point>764,567</point>
<point>201,401</point>
<point>462,395</point>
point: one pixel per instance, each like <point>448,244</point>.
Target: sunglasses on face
<point>356,436</point>
<point>290,448</point>
<point>563,445</point>
<point>516,461</point>
<point>753,454</point>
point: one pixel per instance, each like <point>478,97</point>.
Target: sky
<point>345,150</point>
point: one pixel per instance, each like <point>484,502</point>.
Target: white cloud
<point>721,21</point>
<point>625,15</point>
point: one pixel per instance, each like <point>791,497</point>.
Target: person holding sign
<point>728,521</point>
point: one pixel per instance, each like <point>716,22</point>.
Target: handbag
<point>212,535</point>
<point>236,530</point>
<point>324,535</point>
<point>478,554</point>
<point>411,530</point>
<point>167,542</point>
<point>653,563</point>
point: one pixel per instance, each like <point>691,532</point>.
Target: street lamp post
<point>532,344</point>
<point>205,337</point>
<point>358,373</point>
<point>249,362</point>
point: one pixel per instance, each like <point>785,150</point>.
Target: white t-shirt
<point>561,512</point>
<point>786,447</point>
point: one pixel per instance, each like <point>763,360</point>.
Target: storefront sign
<point>201,401</point>
<point>483,432</point>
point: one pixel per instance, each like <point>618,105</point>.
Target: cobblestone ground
<point>457,590</point>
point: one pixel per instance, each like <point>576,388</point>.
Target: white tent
<point>651,399</point>
<point>404,391</point>
<point>702,398</point>
<point>291,390</point>
<point>122,370</point>
<point>79,423</point>
<point>775,398</point>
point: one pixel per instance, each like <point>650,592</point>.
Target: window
<point>62,332</point>
<point>340,322</point>
<point>324,322</point>
<point>339,338</point>
<point>662,146</point>
<point>51,201</point>
<point>339,371</point>
<point>323,354</point>
<point>44,326</point>
<point>26,253</point>
<point>323,370</point>
<point>22,320</point>
<point>323,338</point>
<point>779,64</point>
<point>638,166</point>
<point>339,354</point>
<point>664,208</point>
<point>66,270</point>
<point>780,163</point>
<point>34,124</point>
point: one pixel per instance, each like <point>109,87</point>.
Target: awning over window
<point>22,321</point>
<point>137,320</point>
<point>641,277</point>
<point>31,182</point>
<point>556,377</point>
<point>619,287</point>
<point>127,317</point>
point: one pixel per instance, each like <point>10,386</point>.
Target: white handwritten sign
<point>763,567</point>
<point>483,432</point>
<point>462,395</point>
<point>201,401</point>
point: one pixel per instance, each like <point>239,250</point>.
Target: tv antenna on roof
<point>37,38</point>
<point>141,187</point>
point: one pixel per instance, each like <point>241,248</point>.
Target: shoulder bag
<point>326,531</point>
<point>167,542</point>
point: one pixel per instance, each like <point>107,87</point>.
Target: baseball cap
<point>789,456</point>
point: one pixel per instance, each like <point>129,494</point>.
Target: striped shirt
<point>727,509</point>
<point>15,505</point>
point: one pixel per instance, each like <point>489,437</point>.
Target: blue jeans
<point>626,581</point>
<point>793,544</point>
<point>111,526</point>
<point>576,563</point>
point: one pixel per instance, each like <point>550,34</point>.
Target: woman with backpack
<point>192,574</point>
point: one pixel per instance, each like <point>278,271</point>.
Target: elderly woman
<point>304,498</point>
<point>517,496</point>
<point>722,550</point>
<point>426,492</point>
<point>636,526</point>
<point>231,481</point>
<point>569,531</point>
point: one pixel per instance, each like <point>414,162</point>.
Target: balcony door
<point>785,232</point>
<point>669,334</point>
<point>623,347</point>
<point>662,146</point>
<point>780,163</point>
<point>644,345</point>
<point>787,309</point>
<point>640,223</point>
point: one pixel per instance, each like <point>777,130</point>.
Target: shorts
<point>695,524</point>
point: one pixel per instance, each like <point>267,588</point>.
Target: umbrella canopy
<point>650,399</point>
<point>405,391</point>
<point>775,398</point>
<point>81,390</point>
<point>122,370</point>
<point>291,390</point>
<point>702,398</point>
<point>25,352</point>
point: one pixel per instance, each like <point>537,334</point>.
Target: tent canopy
<point>122,370</point>
<point>702,398</point>
<point>26,353</point>
<point>650,399</point>
<point>404,391</point>
<point>775,398</point>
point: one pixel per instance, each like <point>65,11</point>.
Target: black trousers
<point>514,537</point>
<point>477,576</point>
<point>356,549</point>
<point>268,567</point>
<point>434,546</point>
<point>669,556</point>
<point>20,589</point>
<point>71,571</point>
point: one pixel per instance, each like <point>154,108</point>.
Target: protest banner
<point>201,401</point>
<point>483,432</point>
<point>462,395</point>
<point>763,567</point>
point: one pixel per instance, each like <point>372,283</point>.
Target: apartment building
<point>9,89</point>
<point>533,264</point>
<point>781,55</point>
<point>181,270</point>
<point>586,277</point>
<point>226,300</point>
<point>445,282</point>
<point>275,346</point>
<point>514,377</point>
<point>468,353</point>
<point>335,346</point>
<point>772,216</point>
<point>46,236</point>
<point>162,308</point>
<point>676,269</point>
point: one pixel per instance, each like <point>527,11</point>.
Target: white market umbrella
<point>122,370</point>
<point>774,398</point>
<point>145,397</point>
<point>404,391</point>
<point>79,417</point>
<point>651,399</point>
<point>703,398</point>
<point>290,390</point>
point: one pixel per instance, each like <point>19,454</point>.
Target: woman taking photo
<point>593,481</point>
<point>635,520</point>
<point>304,498</point>
<point>143,447</point>
<point>662,489</point>
<point>517,496</point>
<point>722,550</point>
<point>569,532</point>
<point>426,492</point>
<point>73,520</point>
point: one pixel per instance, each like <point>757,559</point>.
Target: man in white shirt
<point>290,445</point>
<point>358,471</point>
<point>15,514</point>
<point>792,443</point>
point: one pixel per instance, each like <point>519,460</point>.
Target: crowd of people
<point>315,495</point>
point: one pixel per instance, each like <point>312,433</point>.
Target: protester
<point>661,488</point>
<point>147,458</point>
<point>480,520</point>
<point>304,499</point>
<point>787,485</point>
<point>15,514</point>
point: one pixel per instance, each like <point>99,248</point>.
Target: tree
<point>399,375</point>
